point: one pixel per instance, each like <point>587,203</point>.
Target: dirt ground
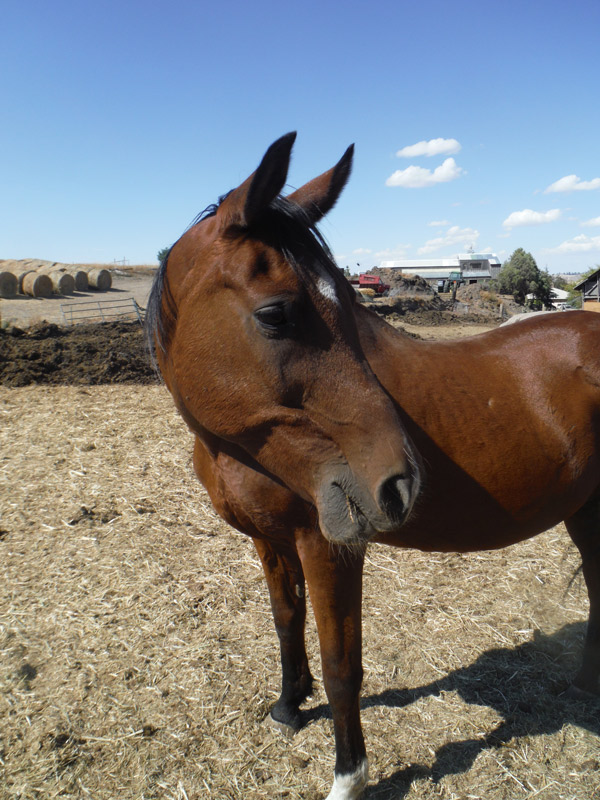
<point>114,352</point>
<point>138,657</point>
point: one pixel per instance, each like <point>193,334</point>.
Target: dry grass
<point>138,657</point>
<point>490,297</point>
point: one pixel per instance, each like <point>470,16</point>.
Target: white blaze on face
<point>326,287</point>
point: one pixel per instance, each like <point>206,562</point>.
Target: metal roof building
<point>466,267</point>
<point>590,289</point>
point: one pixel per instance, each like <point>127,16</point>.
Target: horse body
<point>507,425</point>
<point>318,428</point>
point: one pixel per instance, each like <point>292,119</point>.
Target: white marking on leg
<point>350,787</point>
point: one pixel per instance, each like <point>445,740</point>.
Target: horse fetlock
<point>350,786</point>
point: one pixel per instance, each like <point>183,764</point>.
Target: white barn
<point>465,267</point>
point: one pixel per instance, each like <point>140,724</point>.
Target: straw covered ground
<point>138,658</point>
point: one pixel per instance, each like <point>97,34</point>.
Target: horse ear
<point>245,204</point>
<point>319,196</point>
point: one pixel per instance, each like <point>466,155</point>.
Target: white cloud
<point>393,254</point>
<point>591,223</point>
<point>438,223</point>
<point>528,217</point>
<point>580,244</point>
<point>433,147</point>
<point>454,236</point>
<point>361,251</point>
<point>417,177</point>
<point>572,183</point>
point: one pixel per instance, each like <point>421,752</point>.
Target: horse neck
<point>383,344</point>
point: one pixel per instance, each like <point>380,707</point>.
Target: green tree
<point>162,253</point>
<point>520,276</point>
<point>573,298</point>
<point>588,272</point>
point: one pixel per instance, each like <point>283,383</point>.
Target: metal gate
<point>122,309</point>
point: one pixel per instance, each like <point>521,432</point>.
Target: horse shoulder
<point>246,497</point>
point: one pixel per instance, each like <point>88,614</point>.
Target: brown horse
<point>319,428</point>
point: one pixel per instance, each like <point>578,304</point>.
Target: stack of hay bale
<point>43,278</point>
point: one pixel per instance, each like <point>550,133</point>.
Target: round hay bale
<point>35,285</point>
<point>45,270</point>
<point>100,279</point>
<point>81,278</point>
<point>18,269</point>
<point>11,265</point>
<point>44,266</point>
<point>367,292</point>
<point>8,284</point>
<point>79,275</point>
<point>62,282</point>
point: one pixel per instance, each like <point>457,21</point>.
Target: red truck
<point>374,282</point>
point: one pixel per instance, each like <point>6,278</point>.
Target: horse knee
<point>288,622</point>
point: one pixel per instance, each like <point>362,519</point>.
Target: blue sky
<point>122,120</point>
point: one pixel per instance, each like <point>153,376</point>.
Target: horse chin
<point>342,519</point>
<point>347,536</point>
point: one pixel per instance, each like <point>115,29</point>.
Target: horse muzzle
<point>349,514</point>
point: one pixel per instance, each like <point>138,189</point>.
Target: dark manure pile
<point>111,352</point>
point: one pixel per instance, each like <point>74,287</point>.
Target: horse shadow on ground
<point>525,685</point>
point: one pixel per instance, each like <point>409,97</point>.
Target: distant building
<point>590,291</point>
<point>465,268</point>
<point>559,299</point>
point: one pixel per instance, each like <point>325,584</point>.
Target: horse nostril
<point>394,496</point>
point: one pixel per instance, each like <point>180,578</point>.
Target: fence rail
<point>124,309</point>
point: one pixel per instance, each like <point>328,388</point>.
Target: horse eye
<point>271,316</point>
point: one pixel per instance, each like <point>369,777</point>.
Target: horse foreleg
<point>584,528</point>
<point>334,578</point>
<point>285,580</point>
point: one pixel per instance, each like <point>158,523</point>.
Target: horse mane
<point>159,321</point>
<point>285,225</point>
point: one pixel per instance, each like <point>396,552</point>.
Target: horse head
<point>256,338</point>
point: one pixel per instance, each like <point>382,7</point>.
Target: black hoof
<point>288,731</point>
<point>288,720</point>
